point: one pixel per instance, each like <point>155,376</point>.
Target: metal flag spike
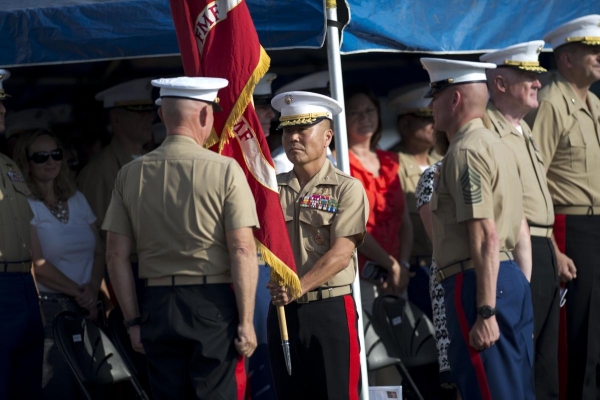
<point>285,343</point>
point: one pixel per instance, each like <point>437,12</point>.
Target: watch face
<point>486,312</point>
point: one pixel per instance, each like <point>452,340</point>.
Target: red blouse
<point>386,201</point>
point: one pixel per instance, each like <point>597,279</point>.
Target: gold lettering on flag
<point>255,160</point>
<point>211,15</point>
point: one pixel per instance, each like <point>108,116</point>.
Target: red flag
<point>218,39</point>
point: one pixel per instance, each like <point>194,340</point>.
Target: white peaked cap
<point>29,119</point>
<point>200,89</point>
<point>444,73</point>
<point>263,87</point>
<point>410,99</point>
<point>523,56</point>
<point>135,95</point>
<point>304,108</point>
<point>584,30</point>
<point>4,75</point>
<point>318,81</point>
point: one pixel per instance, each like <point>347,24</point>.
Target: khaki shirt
<point>410,172</point>
<point>568,135</point>
<point>15,213</point>
<point>479,179</point>
<point>177,203</point>
<point>312,230</point>
<point>537,202</point>
<point>97,179</point>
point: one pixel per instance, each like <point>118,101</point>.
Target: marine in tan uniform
<point>478,222</point>
<point>326,215</point>
<point>416,152</point>
<point>21,331</point>
<point>190,213</point>
<point>566,127</point>
<point>415,125</point>
<point>513,93</point>
<point>131,111</point>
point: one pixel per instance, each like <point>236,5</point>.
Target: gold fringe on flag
<point>213,139</point>
<point>280,273</point>
<point>244,98</point>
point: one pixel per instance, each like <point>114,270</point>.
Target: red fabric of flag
<point>218,39</point>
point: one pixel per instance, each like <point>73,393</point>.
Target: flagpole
<point>343,163</point>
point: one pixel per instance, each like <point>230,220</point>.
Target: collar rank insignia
<point>15,176</point>
<point>319,202</point>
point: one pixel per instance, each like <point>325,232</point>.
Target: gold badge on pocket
<point>319,239</point>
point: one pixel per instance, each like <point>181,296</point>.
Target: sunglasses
<point>40,157</point>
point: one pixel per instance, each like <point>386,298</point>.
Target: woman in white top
<point>67,256</point>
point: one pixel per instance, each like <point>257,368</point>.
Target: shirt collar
<point>325,176</point>
<point>502,125</point>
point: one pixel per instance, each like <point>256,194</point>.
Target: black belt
<point>23,267</point>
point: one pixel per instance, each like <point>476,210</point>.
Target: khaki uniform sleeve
<point>239,208</point>
<point>470,184</point>
<point>117,218</point>
<point>546,129</point>
<point>353,212</point>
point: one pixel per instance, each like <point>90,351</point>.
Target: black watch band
<point>132,322</point>
<point>486,312</point>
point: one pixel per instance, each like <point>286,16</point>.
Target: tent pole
<point>341,147</point>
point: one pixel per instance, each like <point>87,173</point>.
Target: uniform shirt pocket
<point>436,216</point>
<point>315,227</point>
<point>22,192</point>
<point>577,149</point>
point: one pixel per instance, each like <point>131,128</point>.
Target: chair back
<point>377,355</point>
<point>405,330</point>
<point>88,351</point>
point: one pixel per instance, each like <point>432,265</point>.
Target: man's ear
<point>566,59</point>
<point>402,124</point>
<point>456,99</point>
<point>499,83</point>
<point>203,116</point>
<point>160,114</point>
<point>328,136</point>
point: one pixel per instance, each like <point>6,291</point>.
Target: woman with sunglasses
<point>67,256</point>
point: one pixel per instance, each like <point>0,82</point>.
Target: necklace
<point>60,211</point>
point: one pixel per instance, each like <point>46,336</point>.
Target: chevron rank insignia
<point>470,181</point>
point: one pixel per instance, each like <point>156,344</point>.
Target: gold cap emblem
<point>288,99</point>
<point>539,50</point>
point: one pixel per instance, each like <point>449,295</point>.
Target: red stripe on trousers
<point>354,370</point>
<point>560,235</point>
<point>464,327</point>
<point>240,377</point>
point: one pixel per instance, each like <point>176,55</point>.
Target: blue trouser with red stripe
<point>503,371</point>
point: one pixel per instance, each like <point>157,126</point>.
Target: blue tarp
<point>454,26</point>
<point>57,31</point>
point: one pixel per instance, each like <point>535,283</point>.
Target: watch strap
<point>132,322</point>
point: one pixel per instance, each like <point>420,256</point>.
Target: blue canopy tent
<point>34,32</point>
<point>455,26</point>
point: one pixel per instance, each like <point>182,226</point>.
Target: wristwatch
<point>486,312</point>
<point>132,322</point>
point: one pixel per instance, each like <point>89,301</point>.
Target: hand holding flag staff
<point>218,39</point>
